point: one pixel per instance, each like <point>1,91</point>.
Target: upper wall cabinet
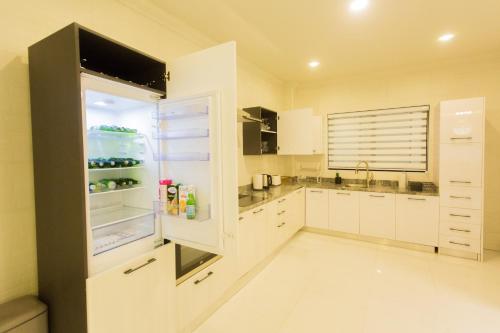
<point>260,137</point>
<point>299,133</point>
<point>462,121</point>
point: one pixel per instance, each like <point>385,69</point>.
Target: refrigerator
<point>134,139</point>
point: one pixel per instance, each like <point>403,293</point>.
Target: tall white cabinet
<point>461,176</point>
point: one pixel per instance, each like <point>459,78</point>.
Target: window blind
<point>388,139</point>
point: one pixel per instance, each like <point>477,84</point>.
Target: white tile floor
<point>324,284</point>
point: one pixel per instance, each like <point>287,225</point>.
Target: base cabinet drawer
<point>461,215</point>
<point>467,230</point>
<point>460,243</point>
<point>462,197</point>
<point>199,292</point>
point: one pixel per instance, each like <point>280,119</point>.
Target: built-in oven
<point>189,261</point>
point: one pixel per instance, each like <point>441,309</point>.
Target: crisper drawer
<point>460,243</point>
<point>466,230</point>
<point>462,197</point>
<point>461,165</point>
<point>462,120</point>
<point>470,216</point>
<point>198,293</point>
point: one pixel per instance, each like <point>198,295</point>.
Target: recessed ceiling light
<point>446,37</point>
<point>358,5</point>
<point>313,63</point>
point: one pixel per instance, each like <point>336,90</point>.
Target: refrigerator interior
<point>122,171</point>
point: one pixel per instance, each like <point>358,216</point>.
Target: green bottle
<point>191,207</point>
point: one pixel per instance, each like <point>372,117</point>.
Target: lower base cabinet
<point>135,297</point>
<point>417,219</point>
<point>377,215</point>
<point>317,208</point>
<point>344,211</point>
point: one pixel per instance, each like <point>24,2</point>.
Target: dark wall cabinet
<point>261,138</point>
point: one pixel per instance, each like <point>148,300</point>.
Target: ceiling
<point>282,36</point>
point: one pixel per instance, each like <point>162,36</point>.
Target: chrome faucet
<point>367,171</point>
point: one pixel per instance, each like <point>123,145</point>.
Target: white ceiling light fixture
<point>446,37</point>
<point>313,63</point>
<point>358,5</point>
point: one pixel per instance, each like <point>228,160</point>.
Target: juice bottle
<point>191,207</point>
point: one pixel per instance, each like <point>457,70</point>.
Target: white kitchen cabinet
<point>299,133</point>
<point>298,208</point>
<point>462,197</point>
<point>417,219</point>
<point>377,215</point>
<point>134,297</point>
<point>317,208</point>
<point>251,241</point>
<point>462,120</point>
<point>344,211</point>
<point>198,293</point>
<point>461,164</point>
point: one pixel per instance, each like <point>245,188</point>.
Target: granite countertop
<point>258,198</point>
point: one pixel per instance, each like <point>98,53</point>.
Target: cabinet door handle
<point>315,191</point>
<point>458,197</point>
<point>282,224</point>
<point>417,199</point>
<point>131,270</point>
<point>258,211</point>
<point>461,181</point>
<point>240,218</point>
<point>459,215</point>
<point>461,138</point>
<point>282,200</point>
<point>458,243</point>
<point>461,230</point>
<point>342,193</point>
<point>282,212</point>
<point>377,196</point>
<point>203,278</point>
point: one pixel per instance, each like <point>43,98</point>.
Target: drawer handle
<point>204,278</point>
<point>258,211</point>
<point>240,218</point>
<point>458,215</point>
<point>457,197</point>
<point>417,199</point>
<point>131,270</point>
<point>282,212</point>
<point>315,191</point>
<point>342,193</point>
<point>282,224</point>
<point>462,230</point>
<point>377,196</point>
<point>461,138</point>
<point>282,200</point>
<point>458,243</point>
<point>461,181</point>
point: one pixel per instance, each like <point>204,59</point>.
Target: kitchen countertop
<point>275,192</point>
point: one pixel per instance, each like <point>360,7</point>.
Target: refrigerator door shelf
<point>202,215</point>
<point>191,110</point>
<point>189,133</point>
<point>192,156</point>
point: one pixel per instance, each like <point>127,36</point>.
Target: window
<point>388,139</point>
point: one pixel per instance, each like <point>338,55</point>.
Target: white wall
<point>24,23</point>
<point>461,78</point>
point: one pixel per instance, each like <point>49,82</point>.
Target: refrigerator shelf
<point>106,217</point>
<point>183,157</point>
<point>98,134</point>
<point>117,168</point>
<point>188,133</point>
<point>133,188</point>
<point>182,112</point>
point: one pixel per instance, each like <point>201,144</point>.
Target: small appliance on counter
<point>258,182</point>
<point>275,180</point>
<point>267,181</point>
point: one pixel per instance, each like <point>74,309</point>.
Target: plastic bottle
<point>191,207</point>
